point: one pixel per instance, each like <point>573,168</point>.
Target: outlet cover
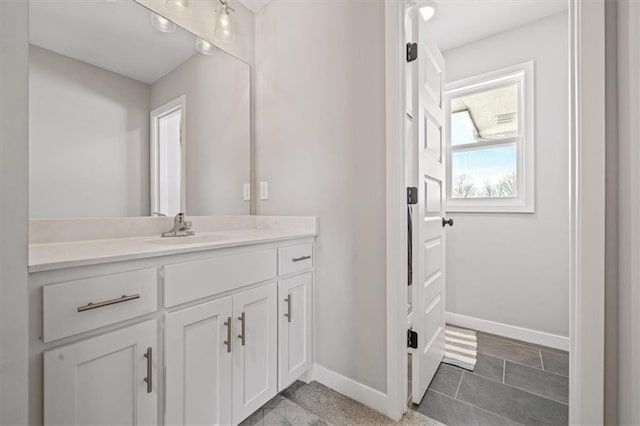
<point>246,192</point>
<point>264,190</point>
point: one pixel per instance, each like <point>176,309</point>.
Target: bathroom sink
<point>191,239</point>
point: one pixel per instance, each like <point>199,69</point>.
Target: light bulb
<point>204,47</point>
<point>162,24</point>
<point>180,7</point>
<point>428,10</point>
<point>223,30</point>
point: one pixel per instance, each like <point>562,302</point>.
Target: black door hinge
<point>412,339</point>
<point>412,52</point>
<point>412,195</point>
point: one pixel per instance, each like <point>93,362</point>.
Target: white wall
<point>89,140</point>
<point>320,143</point>
<point>14,213</point>
<point>513,268</point>
<point>218,146</point>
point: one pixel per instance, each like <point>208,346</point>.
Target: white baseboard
<point>511,331</point>
<point>362,393</point>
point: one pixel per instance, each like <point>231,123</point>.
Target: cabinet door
<point>255,363</point>
<point>294,319</point>
<point>198,364</point>
<point>105,380</point>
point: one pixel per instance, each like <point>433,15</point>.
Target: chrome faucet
<point>181,227</point>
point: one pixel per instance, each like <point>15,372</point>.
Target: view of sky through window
<point>485,173</point>
<point>487,116</point>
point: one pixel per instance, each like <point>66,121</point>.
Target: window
<point>490,144</point>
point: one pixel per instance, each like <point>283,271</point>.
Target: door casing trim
<point>587,210</point>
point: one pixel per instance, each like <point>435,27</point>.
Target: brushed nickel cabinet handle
<point>288,313</point>
<point>124,298</point>
<point>300,259</point>
<point>149,356</point>
<point>228,341</point>
<point>242,335</point>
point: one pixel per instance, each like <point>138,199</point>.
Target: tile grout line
<point>470,405</point>
<point>520,389</point>
<point>458,388</point>
<point>520,363</point>
<point>524,344</point>
<point>504,369</point>
<point>536,368</point>
<point>541,360</point>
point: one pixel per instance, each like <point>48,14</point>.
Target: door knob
<point>446,222</point>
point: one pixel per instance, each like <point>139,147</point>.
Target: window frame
<point>523,75</point>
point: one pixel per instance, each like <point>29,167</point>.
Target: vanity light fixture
<point>223,29</point>
<point>162,24</point>
<point>180,7</point>
<point>427,9</point>
<point>204,47</point>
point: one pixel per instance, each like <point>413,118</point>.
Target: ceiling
<point>459,22</point>
<point>114,35</point>
<point>255,5</point>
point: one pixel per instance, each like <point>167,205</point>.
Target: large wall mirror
<point>132,115</point>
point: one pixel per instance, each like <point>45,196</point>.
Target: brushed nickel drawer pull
<point>242,335</point>
<point>288,313</point>
<point>228,341</point>
<point>149,356</point>
<point>124,298</point>
<point>300,259</point>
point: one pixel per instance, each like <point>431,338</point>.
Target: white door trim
<point>396,199</point>
<point>179,103</point>
<point>587,198</point>
<point>587,211</point>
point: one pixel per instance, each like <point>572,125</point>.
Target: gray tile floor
<point>513,383</point>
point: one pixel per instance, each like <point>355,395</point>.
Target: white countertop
<point>58,255</point>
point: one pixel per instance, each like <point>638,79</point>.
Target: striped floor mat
<point>461,347</point>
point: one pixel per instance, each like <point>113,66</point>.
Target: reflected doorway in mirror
<point>168,140</point>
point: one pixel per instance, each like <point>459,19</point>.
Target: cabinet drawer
<point>295,258</point>
<point>77,306</point>
<point>184,282</point>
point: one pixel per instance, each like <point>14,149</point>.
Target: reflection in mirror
<point>131,115</point>
<point>167,127</point>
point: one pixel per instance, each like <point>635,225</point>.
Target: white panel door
<point>255,363</point>
<point>428,297</point>
<point>294,333</point>
<point>106,380</point>
<point>198,361</point>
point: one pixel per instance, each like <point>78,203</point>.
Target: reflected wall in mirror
<point>128,120</point>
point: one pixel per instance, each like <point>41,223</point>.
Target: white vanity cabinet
<point>109,379</point>
<point>222,355</point>
<point>198,360</point>
<point>295,321</point>
<point>235,328</point>
<point>255,362</point>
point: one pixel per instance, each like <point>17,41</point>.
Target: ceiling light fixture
<point>180,7</point>
<point>427,9</point>
<point>204,47</point>
<point>162,24</point>
<point>223,29</point>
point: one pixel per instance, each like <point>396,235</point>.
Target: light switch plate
<point>246,192</point>
<point>264,190</point>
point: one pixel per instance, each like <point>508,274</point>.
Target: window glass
<point>485,173</point>
<point>485,116</point>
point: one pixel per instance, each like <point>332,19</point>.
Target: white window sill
<point>484,206</point>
